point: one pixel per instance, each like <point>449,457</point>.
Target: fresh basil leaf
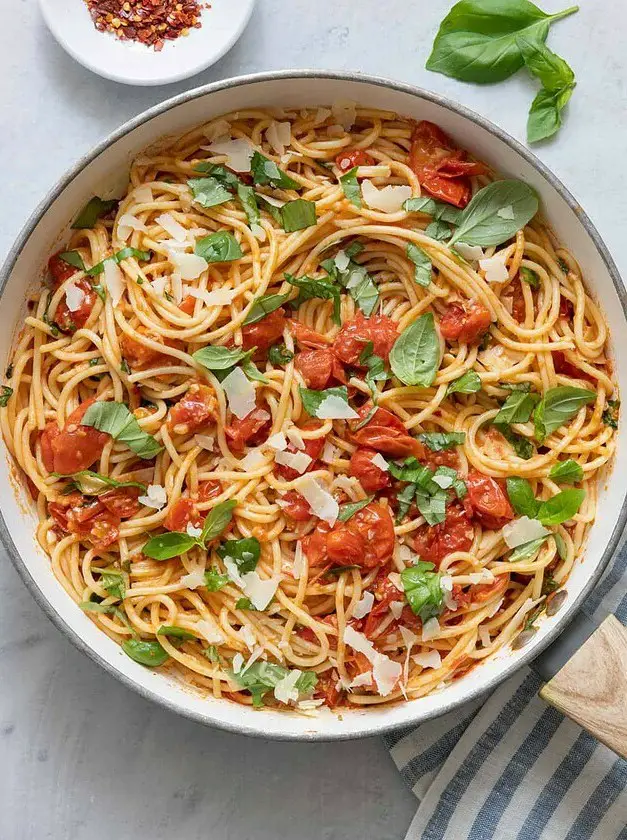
<point>480,222</point>
<point>5,395</point>
<point>263,306</point>
<point>561,507</point>
<point>92,211</point>
<point>175,632</point>
<point>317,287</point>
<point>423,591</point>
<point>545,114</point>
<point>278,354</point>
<point>562,551</point>
<point>214,580</point>
<point>115,419</point>
<point>73,258</point>
<point>422,272</point>
<point>415,356</point>
<point>298,215</point>
<point>218,358</point>
<point>521,445</point>
<point>610,414</point>
<point>527,550</point>
<point>377,371</point>
<point>415,473</point>
<point>248,201</point>
<point>145,652</point>
<point>313,399</point>
<point>517,408</point>
<point>350,187</point>
<point>566,472</point>
<point>437,441</point>
<point>208,192</point>
<point>558,82</point>
<point>265,171</point>
<point>114,582</point>
<point>217,520</point>
<point>262,677</point>
<point>211,652</point>
<point>521,496</point>
<point>252,371</point>
<point>273,211</point>
<point>244,553</point>
<point>218,247</point>
<point>557,407</point>
<point>350,508</point>
<point>356,280</point>
<point>404,498</point>
<point>168,545</point>
<point>438,230</point>
<point>117,258</point>
<point>478,39</point>
<point>431,207</point>
<point>447,479</point>
<point>91,483</point>
<point>529,276</point>
<point>245,604</point>
<point>515,386</point>
<point>468,383</point>
<point>219,173</point>
<point>432,507</point>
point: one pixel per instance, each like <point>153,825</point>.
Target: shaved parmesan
<point>257,652</point>
<point>127,223</point>
<point>74,296</point>
<point>299,561</point>
<point>430,659</point>
<point>329,453</point>
<point>395,580</point>
<point>390,199</point>
<point>220,129</point>
<point>333,407</point>
<point>379,461</point>
<point>260,592</point>
<point>363,606</point>
<point>321,115</point>
<point>142,194</point>
<point>219,297</point>
<point>495,269</point>
<point>155,497</point>
<point>205,441</point>
<point>385,671</point>
<point>446,585</point>
<point>472,253</point>
<point>247,635</point>
<point>277,442</point>
<point>346,483</point>
<point>192,530</point>
<point>240,393</point>
<point>285,690</point>
<point>210,631</point>
<point>176,284</point>
<point>344,112</point>
<point>430,629</point>
<point>253,459</point>
<point>406,555</point>
<point>396,608</point>
<point>485,576</point>
<point>159,285</point>
<point>522,531</point>
<point>295,437</point>
<point>171,226</point>
<point>360,680</point>
<point>484,636</point>
<point>238,153</point>
<point>279,135</point>
<point>342,260</point>
<point>321,502</point>
<point>193,580</point>
<point>258,232</point>
<point>237,663</point>
<point>275,202</point>
<point>506,212</point>
<point>188,266</point>
<point>298,461</point>
<point>407,636</point>
<point>114,281</point>
<point>495,608</point>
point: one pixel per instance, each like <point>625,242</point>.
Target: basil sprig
<point>558,83</point>
<point>263,306</point>
<point>92,211</point>
<point>559,508</point>
<point>316,287</point>
<point>350,187</point>
<point>145,652</point>
<point>557,407</point>
<point>91,483</point>
<point>422,263</point>
<point>312,400</point>
<point>218,247</point>
<point>116,420</point>
<point>174,543</point>
<point>415,356</point>
<point>566,472</point>
<point>245,553</point>
<point>262,677</point>
<point>219,358</point>
<point>265,171</point>
<point>468,383</point>
<point>423,590</point>
<point>355,279</point>
<point>480,222</point>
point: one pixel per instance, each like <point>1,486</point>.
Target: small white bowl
<point>133,63</point>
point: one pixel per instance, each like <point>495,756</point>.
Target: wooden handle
<point>591,688</point>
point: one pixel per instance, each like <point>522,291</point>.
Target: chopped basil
<point>274,212</point>
<point>437,441</point>
<point>447,478</point>
<point>610,414</point>
<point>214,580</point>
<point>480,222</point>
<point>114,582</point>
<point>422,271</point>
<point>5,395</point>
<point>562,550</point>
<point>263,306</point>
<point>415,356</point>
<point>521,497</point>
<point>349,509</point>
<point>174,543</point>
<point>298,215</point>
<point>219,358</point>
<point>209,192</point>
<point>211,652</point>
<point>278,354</point>
<point>557,407</point>
<point>244,553</point>
<point>527,550</point>
<point>432,505</point>
<point>549,584</point>
<point>313,399</point>
<point>521,445</point>
<point>92,211</point>
<point>262,677</point>
<point>432,207</point>
<point>566,472</point>
<point>245,604</point>
<point>422,590</point>
<point>219,173</point>
<point>124,254</point>
<point>106,609</point>
<point>517,408</point>
<point>73,258</point>
<point>316,287</point>
<point>265,171</point>
<point>468,383</point>
<point>124,366</point>
<point>438,230</point>
<point>91,483</point>
<point>404,497</point>
<point>145,652</point>
<point>175,632</point>
<point>350,187</point>
<point>530,277</point>
<point>355,279</point>
<point>377,371</point>
<point>248,201</point>
<point>218,247</point>
<point>115,419</point>
<point>251,370</point>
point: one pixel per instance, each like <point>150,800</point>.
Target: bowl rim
<point>375,728</point>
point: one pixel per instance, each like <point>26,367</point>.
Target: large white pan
<point>100,173</point>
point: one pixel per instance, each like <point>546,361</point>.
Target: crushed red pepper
<point>150,22</point>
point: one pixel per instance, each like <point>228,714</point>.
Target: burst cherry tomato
<point>434,543</point>
<point>319,368</point>
<point>68,321</point>
<point>75,447</point>
<point>251,429</point>
<point>385,433</point>
<point>181,514</point>
<point>264,333</point>
<point>353,157</point>
<point>60,271</point>
<point>296,507</point>
<point>466,321</point>
<point>355,335</point>
<point>313,448</point>
<point>306,337</point>
<point>370,530</point>
<point>562,365</point>
<point>122,501</point>
<point>519,308</point>
<point>194,411</point>
<point>370,476</point>
<point>140,356</point>
<point>87,518</point>
<point>209,490</point>
<point>567,310</point>
<point>483,592</point>
<point>345,546</point>
<point>188,304</point>
<point>490,505</point>
<point>326,689</point>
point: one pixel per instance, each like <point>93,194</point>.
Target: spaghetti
<point>316,413</point>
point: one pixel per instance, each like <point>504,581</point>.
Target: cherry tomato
<point>182,512</point>
<point>75,447</point>
<point>345,546</point>
<point>563,366</point>
<point>319,368</point>
<point>140,356</point>
<point>60,271</point>
<point>519,308</point>
<point>353,157</point>
<point>438,165</point>
<point>567,310</point>
<point>385,593</point>
<point>209,490</point>
<point>355,335</point>
<point>490,505</point>
<point>456,166</point>
<point>188,304</point>
<point>194,411</point>
<point>296,506</point>
<point>50,432</point>
<point>251,429</point>
<point>482,592</point>
<point>385,433</point>
<point>434,542</point>
<point>375,525</point>
<point>315,545</point>
<point>313,448</point>
<point>76,514</point>
<point>105,531</point>
<point>370,476</point>
<point>326,688</point>
<point>307,337</point>
<point>465,321</point>
<point>360,664</point>
<point>122,501</point>
<point>264,333</point>
<point>69,322</point>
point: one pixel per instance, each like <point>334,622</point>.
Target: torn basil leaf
<point>566,472</point>
<point>350,187</point>
<point>350,508</point>
<point>437,441</point>
<point>316,287</point>
<point>263,306</point>
<point>298,215</point>
<point>468,383</point>
<point>115,419</point>
<point>218,247</point>
<point>145,652</point>
<point>244,553</point>
<point>422,263</point>
<point>422,590</point>
<point>209,192</point>
<point>94,209</point>
<point>265,171</point>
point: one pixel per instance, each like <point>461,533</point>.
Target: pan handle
<point>591,688</point>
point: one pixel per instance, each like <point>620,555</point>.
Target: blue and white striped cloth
<point>509,767</point>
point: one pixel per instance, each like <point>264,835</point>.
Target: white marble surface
<point>82,757</point>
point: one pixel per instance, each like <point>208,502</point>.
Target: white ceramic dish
<point>135,64</point>
<point>48,229</point>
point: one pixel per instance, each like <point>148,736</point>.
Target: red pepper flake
<point>150,22</point>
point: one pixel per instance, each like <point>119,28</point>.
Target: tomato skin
<point>50,432</point>
<point>264,333</point>
<point>353,157</point>
<point>345,546</point>
<point>465,322</point>
<point>326,688</point>
<point>567,310</point>
<point>435,542</point>
<point>75,447</point>
<point>121,501</point>
<point>482,592</point>
<point>296,507</point>
<point>385,593</point>
<point>563,366</point>
<point>489,503</point>
<point>182,512</point>
<point>315,545</point>
<point>209,490</point>
<point>367,539</point>
<point>354,335</point>
<point>60,271</point>
<point>313,448</point>
<point>188,304</point>
<point>76,514</point>
<point>139,356</point>
<point>306,337</point>
<point>316,367</point>
<point>440,166</point>
<point>251,429</point>
<point>385,433</point>
<point>194,411</point>
<point>69,322</point>
<point>519,308</point>
<point>370,476</point>
<point>375,525</point>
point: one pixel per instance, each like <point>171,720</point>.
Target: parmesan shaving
<point>193,580</point>
<point>321,502</point>
<point>240,393</point>
<point>430,629</point>
<point>277,442</point>
<point>298,461</point>
<point>299,561</point>
<point>253,459</point>
<point>286,690</point>
<point>386,672</point>
<point>430,659</point>
<point>345,113</point>
<point>127,224</point>
<point>495,269</point>
<point>522,531</point>
<point>205,441</point>
<point>171,226</point>
<point>390,199</point>
<point>74,296</point>
<point>363,606</point>
<point>333,407</point>
<point>295,437</point>
<point>237,152</point>
<point>114,281</point>
<point>192,530</point>
<point>188,266</point>
<point>279,135</point>
<point>155,497</point>
<point>329,453</point>
<point>472,253</point>
<point>379,461</point>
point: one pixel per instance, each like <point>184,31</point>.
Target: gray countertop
<point>83,757</point>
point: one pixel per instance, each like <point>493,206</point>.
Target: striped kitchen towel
<point>510,767</point>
